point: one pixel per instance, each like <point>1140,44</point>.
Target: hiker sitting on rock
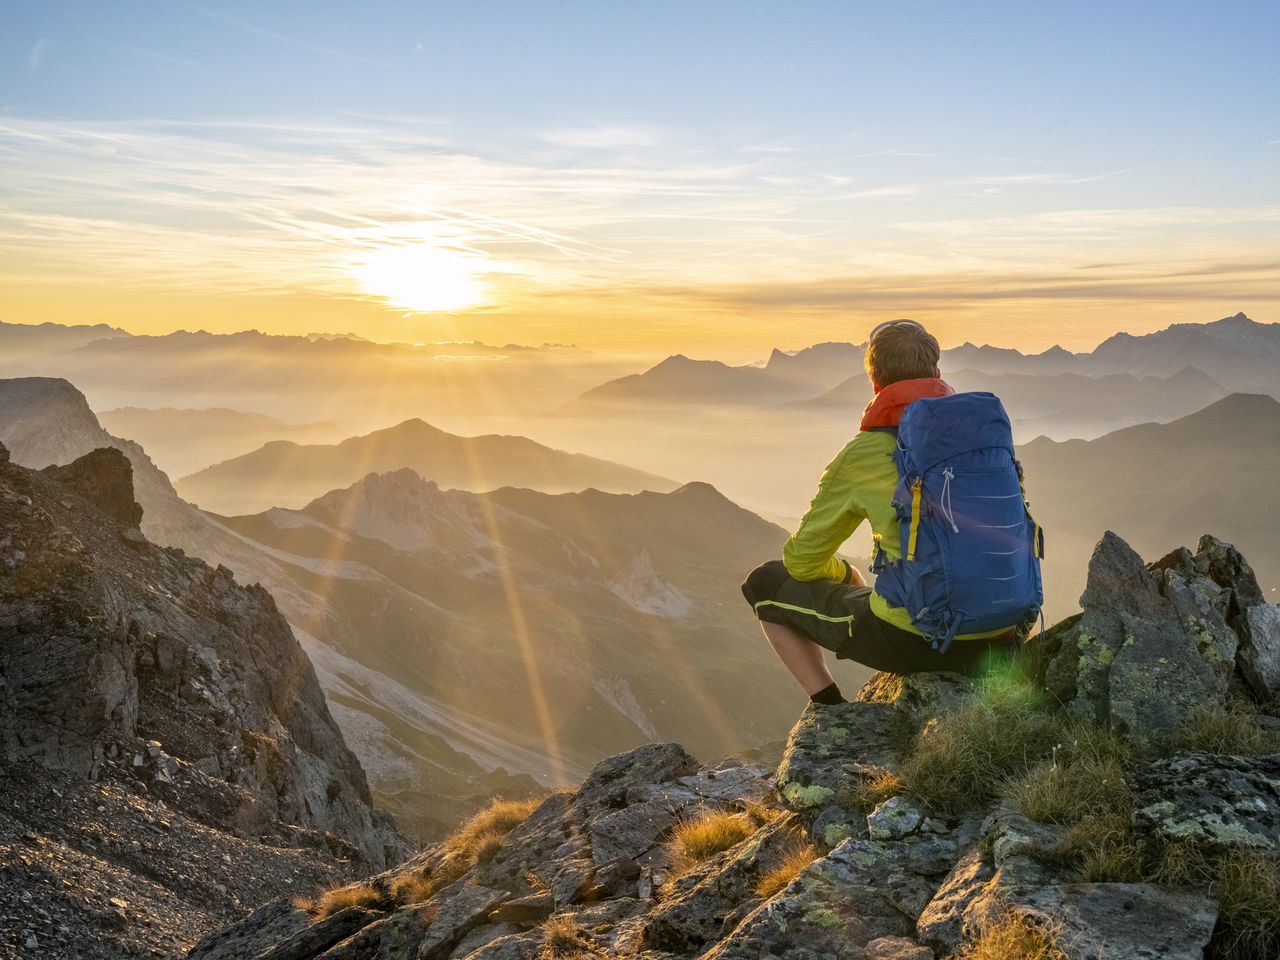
<point>956,553</point>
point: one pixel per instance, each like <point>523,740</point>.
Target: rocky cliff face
<point>151,675</point>
<point>1057,804</point>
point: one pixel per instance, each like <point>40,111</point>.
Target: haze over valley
<point>486,612</point>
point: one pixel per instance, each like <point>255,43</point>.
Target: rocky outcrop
<point>120,660</point>
<point>876,873</point>
<point>1155,642</point>
<point>1211,800</point>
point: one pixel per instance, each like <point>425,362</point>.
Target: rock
<point>481,936</point>
<point>1227,567</point>
<point>105,479</point>
<point>693,914</point>
<point>610,779</point>
<point>834,908</point>
<point>1260,651</point>
<point>917,697</point>
<point>633,831</point>
<point>97,638</point>
<point>531,909</point>
<point>894,819</point>
<point>525,946</point>
<point>1137,921</point>
<point>832,749</point>
<point>941,924</point>
<point>1213,800</point>
<point>313,939</point>
<point>456,911</point>
<point>897,948</point>
<point>1148,649</point>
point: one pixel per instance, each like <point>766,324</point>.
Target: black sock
<point>828,696</point>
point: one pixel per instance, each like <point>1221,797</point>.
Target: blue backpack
<point>970,549</point>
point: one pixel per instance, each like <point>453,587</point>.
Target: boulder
<point>694,912</point>
<point>1150,646</point>
<point>1260,651</point>
<point>456,911</point>
<point>917,697</point>
<point>897,948</point>
<point>858,893</point>
<point>1137,921</point>
<point>104,477</point>
<point>1212,800</point>
<point>942,923</point>
<point>894,819</point>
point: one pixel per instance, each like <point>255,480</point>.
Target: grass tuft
<point>873,791</point>
<point>412,887</point>
<point>1014,937</point>
<point>1230,728</point>
<point>1065,792</point>
<point>695,841</point>
<point>1246,884</point>
<point>498,819</point>
<point>961,757</point>
<point>476,841</point>
<point>339,898</point>
<point>794,859</point>
<point>760,814</point>
<point>564,939</point>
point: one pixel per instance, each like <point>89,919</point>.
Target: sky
<point>711,177</point>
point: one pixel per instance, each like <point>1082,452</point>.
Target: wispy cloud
<point>255,30</point>
<point>35,57</point>
<point>263,207</point>
<point>603,136</point>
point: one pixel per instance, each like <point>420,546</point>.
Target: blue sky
<point>911,113</point>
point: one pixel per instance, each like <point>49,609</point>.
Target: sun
<point>423,277</point>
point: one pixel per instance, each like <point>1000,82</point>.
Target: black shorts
<point>838,616</point>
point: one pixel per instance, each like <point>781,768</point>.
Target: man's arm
<point>810,553</point>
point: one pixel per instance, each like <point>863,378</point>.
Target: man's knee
<point>764,582</point>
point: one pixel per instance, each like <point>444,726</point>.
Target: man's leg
<point>803,658</point>
<point>800,655</point>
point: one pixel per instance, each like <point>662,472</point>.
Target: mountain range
<point>288,474</point>
<point>1058,405</point>
<point>596,621</point>
<point>1161,485</point>
<point>1234,351</point>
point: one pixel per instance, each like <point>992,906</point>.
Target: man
<point>813,600</point>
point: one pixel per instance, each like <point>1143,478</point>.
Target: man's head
<point>901,350</point>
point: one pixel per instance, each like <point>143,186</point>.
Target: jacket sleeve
<point>810,553</point>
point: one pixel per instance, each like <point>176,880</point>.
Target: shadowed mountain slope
<point>156,718</point>
<point>1161,484</point>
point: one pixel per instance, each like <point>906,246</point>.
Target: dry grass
<point>962,757</point>
<point>412,887</point>
<point>1066,792</point>
<point>873,791</point>
<point>798,856</point>
<point>1246,884</point>
<point>1232,728</point>
<point>760,813</point>
<point>564,939</point>
<point>1014,937</point>
<point>1104,849</point>
<point>474,842</point>
<point>339,898</point>
<point>694,841</point>
<point>496,820</point>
